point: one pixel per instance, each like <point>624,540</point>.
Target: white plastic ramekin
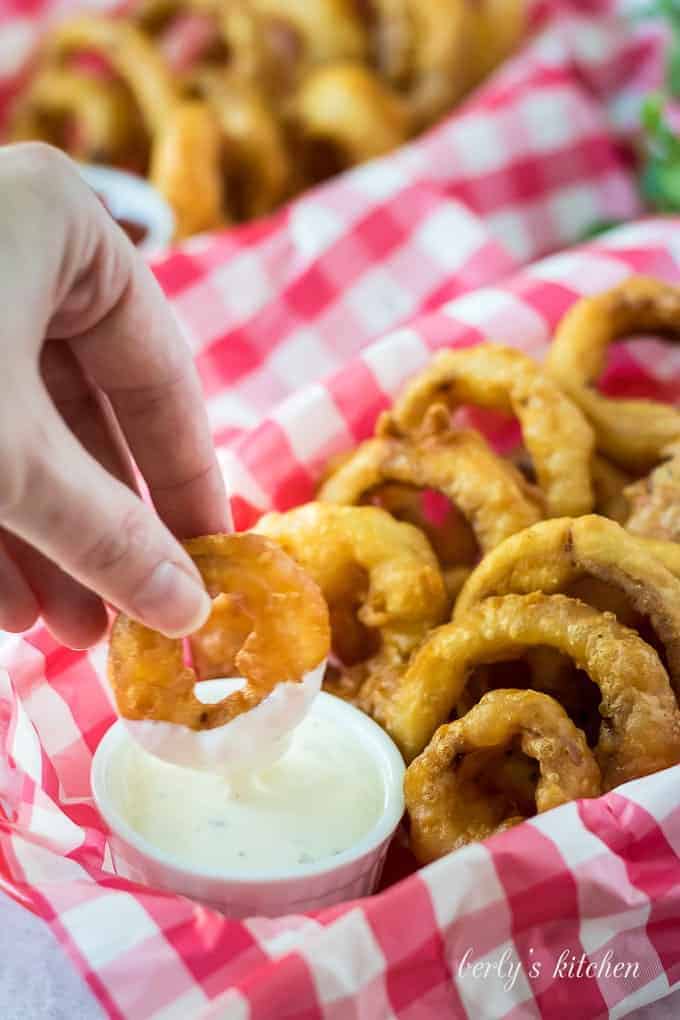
<point>131,198</point>
<point>351,874</point>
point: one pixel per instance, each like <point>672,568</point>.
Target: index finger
<point>129,346</point>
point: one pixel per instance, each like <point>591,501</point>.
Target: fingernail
<point>172,601</point>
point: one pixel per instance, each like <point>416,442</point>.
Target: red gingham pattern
<point>304,328</point>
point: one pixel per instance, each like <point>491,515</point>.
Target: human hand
<point>92,370</point>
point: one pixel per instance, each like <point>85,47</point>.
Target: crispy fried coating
<point>343,114</point>
<point>591,558</point>
<point>254,150</point>
<point>235,32</point>
<point>269,625</point>
<point>488,491</point>
<point>322,32</point>
<point>423,50</point>
<point>556,435</point>
<point>313,87</point>
<point>498,27</point>
<point>382,584</point>
<point>640,728</point>
<point>447,530</point>
<point>610,485</point>
<point>632,433</point>
<point>103,118</point>
<point>186,167</point>
<point>469,782</point>
<point>655,503</point>
<point>185,162</point>
<point>131,55</point>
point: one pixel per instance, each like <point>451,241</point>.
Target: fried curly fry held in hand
<point>271,626</point>
<point>472,779</point>
<point>640,728</point>
<point>556,435</point>
<point>95,371</point>
<point>632,433</point>
<point>560,555</point>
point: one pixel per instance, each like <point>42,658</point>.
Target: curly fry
<point>325,31</point>
<point>257,163</point>
<point>345,115</point>
<point>464,786</point>
<point>497,27</point>
<point>130,54</point>
<point>633,433</point>
<point>423,49</point>
<point>459,463</point>
<point>185,143</point>
<point>654,503</point>
<point>270,625</point>
<point>560,555</point>
<point>610,485</point>
<point>186,168</point>
<point>640,730</point>
<point>106,128</point>
<point>380,579</point>
<point>556,435</point>
<point>448,532</point>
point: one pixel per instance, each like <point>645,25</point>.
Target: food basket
<point>304,326</point>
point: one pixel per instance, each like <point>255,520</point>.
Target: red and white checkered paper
<point>304,327</point>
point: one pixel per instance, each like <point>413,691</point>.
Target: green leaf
<point>673,69</point>
<point>660,184</point>
<point>652,113</point>
<point>599,227</point>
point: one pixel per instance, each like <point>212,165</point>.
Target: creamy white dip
<point>322,796</point>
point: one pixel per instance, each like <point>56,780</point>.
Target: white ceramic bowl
<point>131,198</point>
<point>351,874</point>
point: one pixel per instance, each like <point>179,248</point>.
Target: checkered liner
<point>403,245</point>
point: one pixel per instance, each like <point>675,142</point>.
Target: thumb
<point>61,501</point>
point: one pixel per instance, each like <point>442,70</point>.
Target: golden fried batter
<point>633,433</point>
<point>269,625</point>
<point>591,558</point>
<point>610,484</point>
<point>464,786</point>
<point>98,116</point>
<point>457,462</point>
<point>423,50</point>
<point>640,729</point>
<point>382,584</point>
<point>655,503</point>
<point>556,435</point>
<point>254,150</point>
<point>343,114</point>
<point>186,167</point>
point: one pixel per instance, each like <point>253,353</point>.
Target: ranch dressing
<point>323,795</point>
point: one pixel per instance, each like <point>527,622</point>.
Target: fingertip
<point>81,632</point>
<point>17,619</point>
<point>19,606</point>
